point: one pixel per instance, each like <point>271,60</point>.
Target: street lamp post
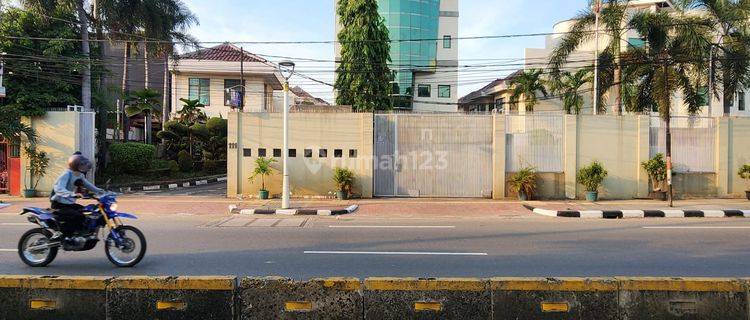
<point>286,68</point>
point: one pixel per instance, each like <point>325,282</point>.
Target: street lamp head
<point>286,68</point>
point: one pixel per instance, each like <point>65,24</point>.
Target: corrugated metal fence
<point>693,143</point>
<point>534,141</point>
<point>433,155</point>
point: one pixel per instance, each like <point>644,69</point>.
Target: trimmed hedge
<point>132,157</point>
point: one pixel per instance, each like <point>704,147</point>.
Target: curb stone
<point>298,212</point>
<point>172,185</point>
<point>625,214</point>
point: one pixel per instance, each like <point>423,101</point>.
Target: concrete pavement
<point>364,246</point>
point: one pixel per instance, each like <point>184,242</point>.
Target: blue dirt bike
<point>125,246</point>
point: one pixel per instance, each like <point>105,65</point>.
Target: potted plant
<point>524,183</point>
<point>656,168</point>
<point>38,163</point>
<point>591,177</point>
<point>262,170</point>
<point>745,174</point>
<point>344,178</point>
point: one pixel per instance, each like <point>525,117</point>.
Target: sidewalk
<point>396,208</point>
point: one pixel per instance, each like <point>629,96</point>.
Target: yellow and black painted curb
<point>229,297</point>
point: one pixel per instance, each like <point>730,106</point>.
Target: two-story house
<point>215,76</point>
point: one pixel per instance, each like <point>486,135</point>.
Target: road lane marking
<point>8,250</point>
<point>395,227</point>
<point>400,253</point>
<point>700,227</point>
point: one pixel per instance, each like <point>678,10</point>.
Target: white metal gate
<point>87,138</point>
<point>433,155</point>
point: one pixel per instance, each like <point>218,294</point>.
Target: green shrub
<point>174,167</point>
<point>263,169</point>
<point>744,173</point>
<point>656,168</point>
<point>217,127</point>
<point>185,161</point>
<point>344,179</point>
<point>524,182</point>
<point>131,157</point>
<point>159,164</point>
<point>592,176</point>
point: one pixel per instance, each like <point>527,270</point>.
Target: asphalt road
<point>350,246</point>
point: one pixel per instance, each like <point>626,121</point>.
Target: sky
<point>313,20</point>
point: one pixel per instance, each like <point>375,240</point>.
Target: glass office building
<point>413,26</point>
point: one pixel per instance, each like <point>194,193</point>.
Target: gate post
<point>570,165</point>
<point>498,156</point>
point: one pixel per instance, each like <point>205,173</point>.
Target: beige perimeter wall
<point>314,131</point>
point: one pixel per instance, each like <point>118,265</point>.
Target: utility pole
<point>597,9</point>
<point>241,105</point>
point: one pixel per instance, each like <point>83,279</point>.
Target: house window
<point>444,91</point>
<point>338,153</point>
<point>636,43</point>
<point>277,153</point>
<point>447,42</point>
<point>247,152</point>
<point>423,91</point>
<point>500,105</point>
<point>292,153</point>
<point>308,153</point>
<point>323,153</point>
<point>233,93</point>
<point>741,101</point>
<point>703,93</point>
<point>200,89</point>
<point>352,153</point>
<point>262,153</point>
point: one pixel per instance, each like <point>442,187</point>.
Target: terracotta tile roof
<point>479,93</point>
<point>299,92</point>
<point>223,52</point>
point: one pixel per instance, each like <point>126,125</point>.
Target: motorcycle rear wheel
<point>37,258</point>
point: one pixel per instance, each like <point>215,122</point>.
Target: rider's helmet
<point>79,163</point>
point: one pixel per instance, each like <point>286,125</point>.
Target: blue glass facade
<point>410,20</point>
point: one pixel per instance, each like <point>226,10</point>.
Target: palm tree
<point>11,126</point>
<point>613,19</point>
<point>568,86</point>
<point>192,111</point>
<point>144,102</point>
<point>667,65</point>
<point>731,55</point>
<point>47,7</point>
<point>527,84</point>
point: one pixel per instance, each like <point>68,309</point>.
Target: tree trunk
<point>668,128</point>
<point>101,110</point>
<point>147,127</point>
<point>86,50</point>
<point>617,88</point>
<point>145,64</point>
<point>121,118</point>
<point>166,94</point>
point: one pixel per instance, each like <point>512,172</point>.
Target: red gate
<point>4,178</point>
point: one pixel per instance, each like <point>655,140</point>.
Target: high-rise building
<point>424,53</point>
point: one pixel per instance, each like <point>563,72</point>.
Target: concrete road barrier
<point>682,298</point>
<point>411,298</point>
<point>283,298</point>
<point>51,297</point>
<point>554,298</point>
<point>164,298</point>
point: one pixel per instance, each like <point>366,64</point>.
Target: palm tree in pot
<point>591,177</point>
<point>344,179</point>
<point>744,173</point>
<point>524,183</point>
<point>38,163</point>
<point>262,169</point>
<point>656,168</point>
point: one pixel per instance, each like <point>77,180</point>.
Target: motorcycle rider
<point>65,194</point>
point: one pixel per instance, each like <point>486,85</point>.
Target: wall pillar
<point>234,151</point>
<point>643,154</point>
<point>570,164</point>
<point>498,156</point>
<point>723,171</point>
<point>368,148</point>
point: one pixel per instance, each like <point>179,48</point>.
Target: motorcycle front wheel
<point>36,257</point>
<point>131,249</point>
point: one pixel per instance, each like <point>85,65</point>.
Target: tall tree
<point>730,50</point>
<point>144,103</point>
<point>613,26</point>
<point>568,86</point>
<point>527,86</point>
<point>671,62</point>
<point>48,7</point>
<point>363,76</point>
